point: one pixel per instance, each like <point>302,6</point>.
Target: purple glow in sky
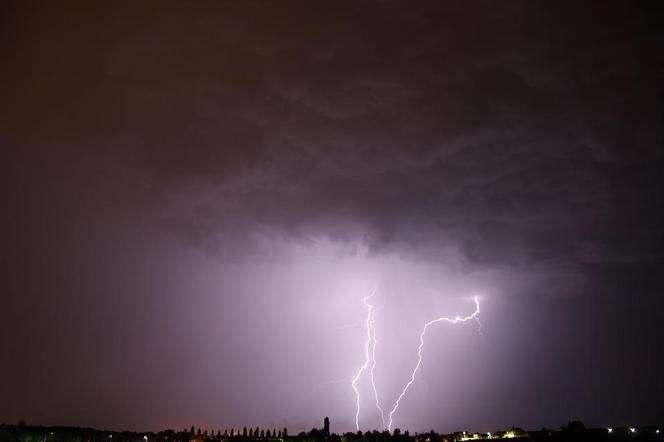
<point>370,361</point>
<point>200,195</point>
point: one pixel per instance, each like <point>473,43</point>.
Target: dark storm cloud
<point>489,134</point>
<point>498,145</point>
<point>524,136</point>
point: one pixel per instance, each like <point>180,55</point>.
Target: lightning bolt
<point>454,320</point>
<point>373,366</point>
<point>369,362</point>
<point>368,352</point>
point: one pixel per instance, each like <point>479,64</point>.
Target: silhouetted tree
<point>262,434</point>
<point>575,427</point>
<point>198,432</point>
<point>574,430</point>
<point>397,432</point>
<point>285,433</point>
<point>280,433</point>
<point>244,432</point>
<point>256,432</point>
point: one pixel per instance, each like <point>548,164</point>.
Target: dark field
<point>571,432</point>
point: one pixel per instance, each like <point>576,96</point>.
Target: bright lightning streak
<point>367,354</point>
<point>373,366</point>
<point>454,320</point>
<point>370,358</point>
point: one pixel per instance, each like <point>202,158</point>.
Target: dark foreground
<point>574,431</point>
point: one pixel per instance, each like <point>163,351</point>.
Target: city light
<point>610,430</point>
<point>632,430</point>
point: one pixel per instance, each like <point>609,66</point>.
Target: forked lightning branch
<point>369,363</point>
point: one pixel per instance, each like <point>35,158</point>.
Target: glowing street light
<point>609,430</point>
<point>632,430</point>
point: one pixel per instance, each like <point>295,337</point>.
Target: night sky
<point>199,195</point>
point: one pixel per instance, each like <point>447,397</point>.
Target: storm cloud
<point>193,181</point>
